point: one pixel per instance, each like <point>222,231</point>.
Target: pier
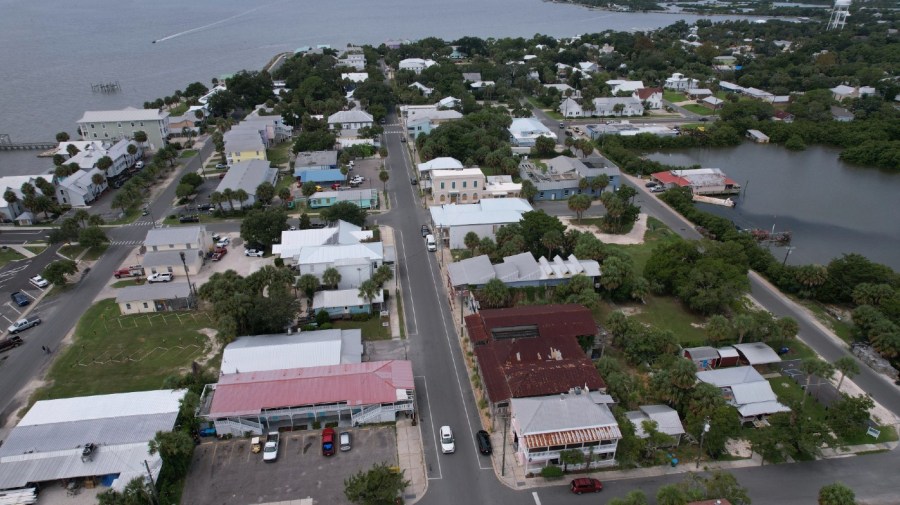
<point>106,87</point>
<point>6,144</point>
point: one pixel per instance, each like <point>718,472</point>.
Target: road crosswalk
<point>126,242</point>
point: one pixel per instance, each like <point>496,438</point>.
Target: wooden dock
<point>6,144</point>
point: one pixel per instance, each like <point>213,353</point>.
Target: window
<point>128,306</point>
<point>442,185</point>
<point>141,123</point>
<point>453,185</point>
<point>474,184</point>
<point>145,305</point>
<point>566,192</point>
<point>92,125</point>
<point>541,194</point>
<point>170,270</point>
<point>103,125</point>
<point>464,184</point>
<point>119,125</point>
<point>106,135</point>
<point>132,123</point>
<point>95,135</point>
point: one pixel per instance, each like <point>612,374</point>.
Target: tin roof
<point>757,353</point>
<point>571,320</point>
<point>561,415</point>
<point>155,291</point>
<point>298,350</point>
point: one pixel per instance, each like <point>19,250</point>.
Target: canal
<point>831,207</point>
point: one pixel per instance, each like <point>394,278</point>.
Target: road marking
<point>411,298</point>
<point>7,319</point>
<point>17,311</point>
<point>537,501</point>
<point>433,432</point>
<point>26,293</point>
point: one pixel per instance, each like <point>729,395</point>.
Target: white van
<point>430,243</point>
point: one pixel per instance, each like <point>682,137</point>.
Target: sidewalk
<point>393,285</point>
<point>411,458</point>
<point>22,250</point>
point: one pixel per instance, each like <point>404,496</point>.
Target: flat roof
<point>127,114</point>
<point>298,350</point>
<point>154,291</point>
<point>175,235</point>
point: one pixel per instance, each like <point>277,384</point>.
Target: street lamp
<point>790,249</point>
<point>702,435</point>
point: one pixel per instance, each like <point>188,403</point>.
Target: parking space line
<point>537,501</point>
<point>433,430</point>
<point>8,319</point>
<point>17,311</point>
<point>26,293</point>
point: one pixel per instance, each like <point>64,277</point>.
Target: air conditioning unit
<point>88,451</point>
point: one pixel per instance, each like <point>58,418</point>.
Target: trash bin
<point>674,462</point>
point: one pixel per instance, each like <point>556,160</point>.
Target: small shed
<point>756,353</point>
<point>159,297</point>
<point>666,418</point>
<point>758,136</point>
<point>728,356</point>
<point>704,357</point>
<point>344,303</point>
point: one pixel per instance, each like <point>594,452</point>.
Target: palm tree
<point>847,366</point>
<point>122,201</point>
<point>368,290</point>
<point>553,239</point>
<point>58,159</point>
<point>600,182</point>
<point>241,196</point>
<point>817,367</point>
<point>494,294</point>
<point>579,203</point>
<point>216,198</point>
<point>45,186</point>
<point>787,327</point>
<point>82,216</point>
<point>10,196</point>
<point>97,180</point>
<point>104,163</point>
<point>140,137</point>
<point>284,194</point>
<point>383,176</point>
<point>743,324</point>
<point>811,277</point>
<point>836,494</point>
<point>717,329</point>
<point>228,194</point>
<point>132,149</point>
<point>72,150</point>
<point>43,204</point>
<point>471,241</point>
<point>62,137</point>
<point>28,189</point>
<point>331,277</point>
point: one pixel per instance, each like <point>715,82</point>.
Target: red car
<point>219,253</point>
<point>586,485</point>
<point>328,442</point>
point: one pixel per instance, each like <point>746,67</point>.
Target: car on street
<point>23,324</point>
<point>20,299</point>
<point>270,450</point>
<point>650,184</point>
<point>345,441</point>
<point>328,442</point>
<point>413,181</point>
<point>562,125</point>
<point>258,253</point>
<point>358,179</point>
<point>219,253</point>
<point>426,230</point>
<point>448,445</point>
<point>10,343</point>
<point>159,277</point>
<point>483,439</point>
<point>704,119</point>
<point>585,485</point>
<point>223,242</point>
<point>657,189</point>
<point>39,282</point>
<point>221,166</point>
<point>568,133</point>
<point>191,218</point>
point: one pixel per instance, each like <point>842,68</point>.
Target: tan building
<point>159,297</point>
<point>465,185</point>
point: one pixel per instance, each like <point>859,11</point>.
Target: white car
<point>39,281</point>
<point>159,277</point>
<point>448,445</point>
<point>270,450</point>
<point>358,178</point>
<point>254,252</point>
<point>223,242</point>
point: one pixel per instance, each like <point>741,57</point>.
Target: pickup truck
<point>23,324</point>
<point>10,343</point>
<point>132,271</point>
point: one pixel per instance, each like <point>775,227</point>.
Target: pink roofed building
<point>702,181</point>
<point>349,394</point>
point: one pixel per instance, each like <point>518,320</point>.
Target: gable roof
<point>646,93</point>
<point>350,116</point>
<point>757,353</point>
<point>723,377</point>
<point>247,175</point>
<point>441,163</point>
<point>561,413</point>
<point>343,298</point>
<point>155,291</point>
<point>517,268</point>
<point>666,418</point>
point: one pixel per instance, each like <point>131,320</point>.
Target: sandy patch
<point>635,236</point>
<point>738,447</point>
<point>215,345</point>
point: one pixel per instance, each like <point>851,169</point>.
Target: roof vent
<point>87,452</point>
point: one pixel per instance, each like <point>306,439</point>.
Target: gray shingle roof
<point>248,175</point>
<point>126,114</point>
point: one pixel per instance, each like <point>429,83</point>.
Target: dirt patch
<point>215,345</point>
<point>738,447</point>
<point>635,236</point>
<point>630,311</point>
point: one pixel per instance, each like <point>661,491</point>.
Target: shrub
<point>551,472</point>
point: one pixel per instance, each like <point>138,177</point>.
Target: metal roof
<point>331,253</point>
<point>439,164</point>
<point>103,406</point>
<point>155,291</point>
<point>350,116</point>
<point>343,233</point>
<point>248,175</point>
<point>343,298</point>
<point>753,392</point>
<point>560,413</point>
<point>573,437</point>
<point>666,418</point>
<point>321,175</point>
<point>355,384</point>
<point>571,320</point>
<point>127,114</point>
<point>475,271</point>
<point>297,350</point>
<point>316,159</point>
<point>757,353</point>
<point>723,377</point>
<point>175,235</point>
<point>487,211</point>
<point>169,258</point>
<point>701,353</point>
<point>762,408</point>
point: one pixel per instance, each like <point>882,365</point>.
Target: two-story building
<point>563,175</point>
<point>244,145</point>
<point>164,247</point>
<point>679,82</point>
<point>453,221</point>
<point>350,120</point>
<point>90,153</point>
<point>618,107</point>
<point>524,132</point>
<point>81,188</point>
<point>352,57</point>
<point>617,86</point>
<point>651,98</point>
<point>246,175</point>
<point>111,125</point>
<point>462,185</point>
<point>416,65</point>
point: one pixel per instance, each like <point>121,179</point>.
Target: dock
<point>6,144</point>
<point>724,202</point>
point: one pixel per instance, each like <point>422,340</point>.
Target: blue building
<point>321,176</point>
<point>560,177</point>
<point>363,198</point>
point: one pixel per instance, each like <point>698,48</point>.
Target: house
<point>570,108</point>
<point>759,94</point>
<point>730,87</point>
<point>442,163</point>
<point>482,84</point>
<point>416,127</point>
<point>563,175</point>
<point>702,181</point>
<point>430,112</point>
<point>756,353</point>
<point>665,417</point>
<point>395,43</point>
<point>617,86</point>
<point>81,188</point>
<point>704,357</point>
<point>757,136</point>
<point>456,54</point>
<point>471,76</point>
<point>745,389</point>
<point>627,129</point>
<point>112,125</point>
<point>71,439</point>
<point>363,198</point>
<point>588,66</point>
<point>326,177</point>
<point>11,210</point>
<point>712,102</point>
<point>415,65</point>
<point>244,145</point>
<point>285,351</point>
<point>345,303</point>
<point>158,297</point>
<point>344,247</point>
<point>351,394</point>
<point>425,90</point>
<point>543,427</point>
<point>697,93</point>
<point>519,270</point>
<point>178,125</point>
<point>170,261</point>
<point>523,132</point>
<point>564,90</point>
<point>843,91</point>
<point>177,238</point>
<point>651,98</point>
<point>501,186</point>
<point>615,106</point>
<point>728,356</point>
<point>271,129</point>
<point>91,152</point>
<point>448,103</point>
<point>355,77</point>
<point>841,114</point>
<point>350,120</point>
<point>452,221</point>
<point>25,219</point>
<point>679,82</point>
<point>783,115</point>
<point>247,176</point>
<point>352,57</point>
<point>315,160</point>
<point>461,185</point>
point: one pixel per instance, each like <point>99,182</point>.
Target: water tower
<point>839,15</point>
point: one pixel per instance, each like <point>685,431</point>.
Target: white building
<point>619,107</point>
<point>652,98</point>
<point>679,82</point>
<point>570,108</point>
<point>118,124</point>
<point>425,90</point>
<point>442,163</point>
<point>501,186</point>
<point>416,65</point>
<point>10,211</point>
<point>80,189</point>
<point>293,350</point>
<point>178,238</point>
<point>453,221</point>
<point>350,120</point>
<point>745,389</point>
<point>352,57</point>
<point>525,131</point>
<point>617,85</point>
<point>344,247</point>
<point>565,90</point>
<point>355,77</point>
<point>462,185</point>
<point>91,152</point>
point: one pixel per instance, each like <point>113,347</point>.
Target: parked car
<point>219,253</point>
<point>139,165</point>
<point>221,166</point>
<point>413,181</point>
<point>448,445</point>
<point>345,441</point>
<point>270,450</point>
<point>657,189</point>
<point>426,230</point>
<point>10,343</point>
<point>484,442</point>
<point>223,242</point>
<point>336,186</point>
<point>39,282</point>
<point>20,299</point>
<point>328,442</point>
<point>132,271</point>
<point>562,125</point>
<point>704,119</point>
<point>160,277</point>
<point>191,218</point>
<point>568,133</point>
<point>206,207</point>
<point>23,324</point>
<point>430,243</point>
<point>258,253</point>
<point>650,184</point>
<point>586,485</point>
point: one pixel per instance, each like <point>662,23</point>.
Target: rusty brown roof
<point>571,320</point>
<point>573,437</point>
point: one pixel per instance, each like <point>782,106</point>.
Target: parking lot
<point>9,311</point>
<point>226,472</point>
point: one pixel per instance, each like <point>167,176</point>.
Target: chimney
<point>518,357</point>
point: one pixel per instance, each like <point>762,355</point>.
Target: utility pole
<point>188,275</point>
<point>702,435</point>
<point>152,484</point>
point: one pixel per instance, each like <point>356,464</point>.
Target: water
<point>54,49</point>
<point>830,206</point>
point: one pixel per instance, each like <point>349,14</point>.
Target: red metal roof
<point>669,178</point>
<point>354,383</point>
<point>526,367</point>
<point>552,320</point>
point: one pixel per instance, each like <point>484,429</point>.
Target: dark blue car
<point>19,299</point>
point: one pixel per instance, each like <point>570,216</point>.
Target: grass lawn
<point>699,109</point>
<point>187,153</point>
<point>285,182</point>
<point>129,217</point>
<point>371,328</point>
<point>125,283</point>
<point>667,313</point>
<point>179,110</point>
<point>36,249</point>
<point>93,254</point>
<point>113,353</point>
<point>840,328</point>
<point>7,255</point>
<point>673,96</point>
<point>280,154</point>
<point>640,253</point>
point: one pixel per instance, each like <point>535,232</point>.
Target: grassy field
<point>840,328</point>
<point>36,249</point>
<point>699,109</point>
<point>130,215</point>
<point>667,313</point>
<point>7,255</point>
<point>113,353</point>
<point>280,154</point>
<point>673,96</point>
<point>371,329</point>
<point>187,153</point>
<point>640,253</point>
<point>179,110</point>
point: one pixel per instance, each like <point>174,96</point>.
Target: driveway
<point>227,473</point>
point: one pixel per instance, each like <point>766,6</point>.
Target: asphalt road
<point>60,313</point>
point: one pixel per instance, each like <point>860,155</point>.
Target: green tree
<point>814,366</point>
<point>305,222</point>
<point>264,226</point>
<point>175,448</point>
<point>848,416</point>
<point>847,366</point>
<point>140,137</point>
<point>331,277</point>
<point>380,485</point>
<point>743,324</point>
<point>544,147</point>
<point>836,494</point>
<point>671,494</point>
<point>308,283</point>
<point>57,271</point>
<point>183,190</point>
<point>579,204</point>
<point>529,190</point>
<point>192,178</point>
<point>309,188</point>
<point>92,236</point>
<point>383,176</point>
<point>136,492</point>
<point>265,193</point>
<point>571,457</point>
<point>104,163</point>
<point>62,137</point>
<point>617,272</point>
<point>241,196</point>
<point>284,194</point>
<point>722,484</point>
<point>368,290</point>
<point>344,211</point>
<point>494,294</point>
<point>10,196</point>
<point>471,241</point>
<point>787,327</point>
<point>636,497</point>
<point>717,329</point>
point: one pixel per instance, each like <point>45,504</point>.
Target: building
<point>471,76</point>
<point>432,113</point>
<point>123,124</point>
<point>452,221</point>
<point>519,270</point>
<point>81,188</point>
<point>617,86</point>
<point>363,198</point>
<point>448,102</point>
<point>352,57</point>
<point>270,128</point>
<point>651,98</point>
<point>326,177</point>
<point>665,417</point>
<point>702,181</point>
<point>567,320</point>
<point>756,353</point>
<point>157,297</point>
<point>244,145</point>
<point>501,186</point>
<point>563,176</point>
<point>425,90</point>
<point>570,108</point>
<point>758,136</point>
<point>462,185</point>
<point>564,90</point>
<point>704,357</point>
<point>286,351</point>
<point>712,102</point>
<point>841,114</point>
<point>616,106</point>
<point>482,84</point>
<point>759,94</point>
<point>247,176</point>
<point>627,129</point>
<point>679,82</point>
<point>415,65</point>
<point>104,438</point>
<point>543,427</point>
<point>344,247</point>
<point>355,77</point>
<point>91,152</point>
<point>588,66</point>
<point>315,160</point>
<point>442,163</point>
<point>9,211</point>
<point>729,87</point>
<point>350,394</point>
<point>745,389</point>
<point>697,93</point>
<point>171,262</point>
<point>350,120</point>
<point>345,303</point>
<point>523,132</point>
<point>177,238</point>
